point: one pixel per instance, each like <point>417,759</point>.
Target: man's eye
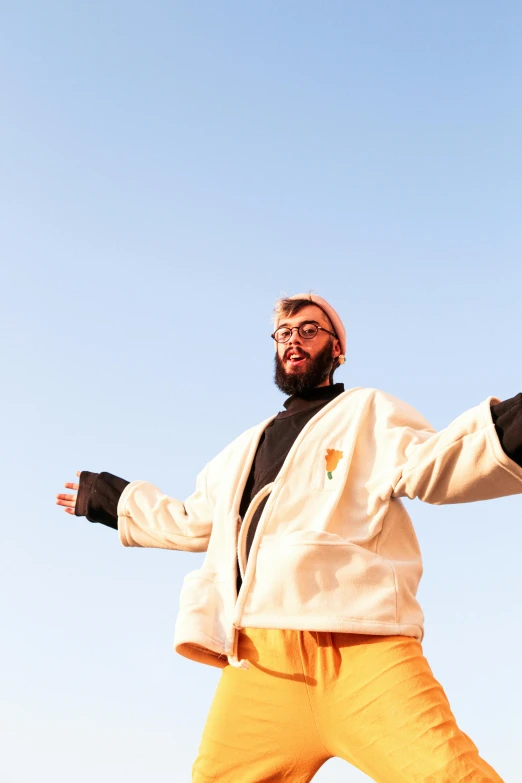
<point>308,330</point>
<point>283,334</point>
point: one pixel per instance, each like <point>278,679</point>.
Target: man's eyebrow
<point>306,321</point>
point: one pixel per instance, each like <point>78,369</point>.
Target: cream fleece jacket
<point>335,549</point>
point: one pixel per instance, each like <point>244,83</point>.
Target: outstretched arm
<point>143,515</point>
<point>464,462</point>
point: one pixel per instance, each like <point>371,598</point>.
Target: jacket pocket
<point>319,574</point>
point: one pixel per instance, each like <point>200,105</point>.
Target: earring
<point>341,359</point>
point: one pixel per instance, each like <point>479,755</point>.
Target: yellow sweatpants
<point>308,696</point>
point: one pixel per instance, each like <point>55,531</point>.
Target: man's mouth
<point>295,358</point>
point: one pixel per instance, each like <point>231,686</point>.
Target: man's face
<point>302,363</point>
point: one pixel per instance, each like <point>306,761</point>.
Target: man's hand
<point>69,501</point>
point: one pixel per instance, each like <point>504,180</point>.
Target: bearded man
<point>307,595</point>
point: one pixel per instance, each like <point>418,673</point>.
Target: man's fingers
<point>66,500</point>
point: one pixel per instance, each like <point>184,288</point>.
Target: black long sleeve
<point>98,497</point>
<point>507,417</point>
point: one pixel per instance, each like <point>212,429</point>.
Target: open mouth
<point>295,358</point>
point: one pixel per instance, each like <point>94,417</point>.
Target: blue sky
<point>168,170</point>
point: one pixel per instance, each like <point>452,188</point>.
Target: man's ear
<point>337,355</point>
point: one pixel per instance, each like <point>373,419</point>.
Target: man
<point>306,598</point>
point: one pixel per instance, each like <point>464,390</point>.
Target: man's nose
<point>295,337</point>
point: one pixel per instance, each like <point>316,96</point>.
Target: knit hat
<point>337,324</point>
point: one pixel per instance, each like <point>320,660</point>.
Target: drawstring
<point>263,493</point>
<point>242,664</point>
<point>233,659</point>
<point>241,553</point>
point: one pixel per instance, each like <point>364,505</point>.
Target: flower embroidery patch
<point>333,457</point>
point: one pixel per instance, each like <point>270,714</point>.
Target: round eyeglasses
<point>307,331</point>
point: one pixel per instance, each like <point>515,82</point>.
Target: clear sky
<point>168,169</point>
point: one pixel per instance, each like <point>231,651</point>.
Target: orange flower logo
<point>333,457</point>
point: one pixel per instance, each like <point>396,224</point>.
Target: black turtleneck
<point>277,440</point>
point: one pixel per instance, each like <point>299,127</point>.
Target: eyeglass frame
<point>282,342</point>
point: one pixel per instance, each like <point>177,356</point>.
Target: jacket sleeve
<point>149,518</point>
<point>462,463</point>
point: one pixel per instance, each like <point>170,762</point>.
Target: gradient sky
<point>169,169</point>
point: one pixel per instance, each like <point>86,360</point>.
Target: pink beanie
<point>332,315</point>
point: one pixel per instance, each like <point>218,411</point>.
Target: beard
<point>316,373</point>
